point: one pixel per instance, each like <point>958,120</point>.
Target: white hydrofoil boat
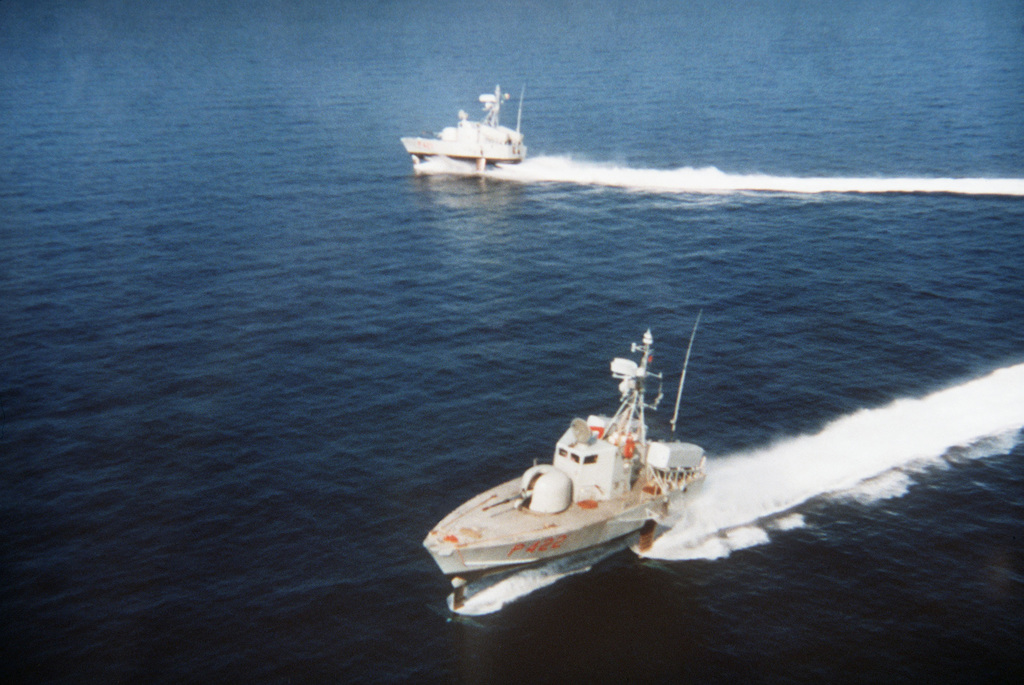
<point>483,142</point>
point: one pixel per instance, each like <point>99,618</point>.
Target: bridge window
<point>587,459</point>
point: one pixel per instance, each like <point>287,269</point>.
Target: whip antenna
<point>682,378</point>
<point>519,117</point>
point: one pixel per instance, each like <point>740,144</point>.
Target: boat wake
<point>713,181</point>
<point>866,456</point>
<point>490,594</point>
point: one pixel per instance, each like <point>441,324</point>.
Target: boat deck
<point>495,513</point>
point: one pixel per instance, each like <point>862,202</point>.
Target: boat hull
<point>485,535</point>
<point>490,152</point>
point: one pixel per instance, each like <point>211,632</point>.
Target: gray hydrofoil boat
<point>607,480</point>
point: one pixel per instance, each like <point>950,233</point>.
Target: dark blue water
<point>249,358</point>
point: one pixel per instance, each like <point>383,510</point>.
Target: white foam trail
<point>888,485</point>
<point>852,456</point>
<point>791,522</point>
<point>491,599</point>
<point>711,180</point>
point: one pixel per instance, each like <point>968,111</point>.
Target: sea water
<point>249,358</point>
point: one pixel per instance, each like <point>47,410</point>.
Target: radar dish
<point>624,368</point>
<point>581,431</point>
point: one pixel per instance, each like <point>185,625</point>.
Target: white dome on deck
<point>552,492</point>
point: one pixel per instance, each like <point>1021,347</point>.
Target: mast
<point>492,105</point>
<point>642,378</point>
<point>633,377</point>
